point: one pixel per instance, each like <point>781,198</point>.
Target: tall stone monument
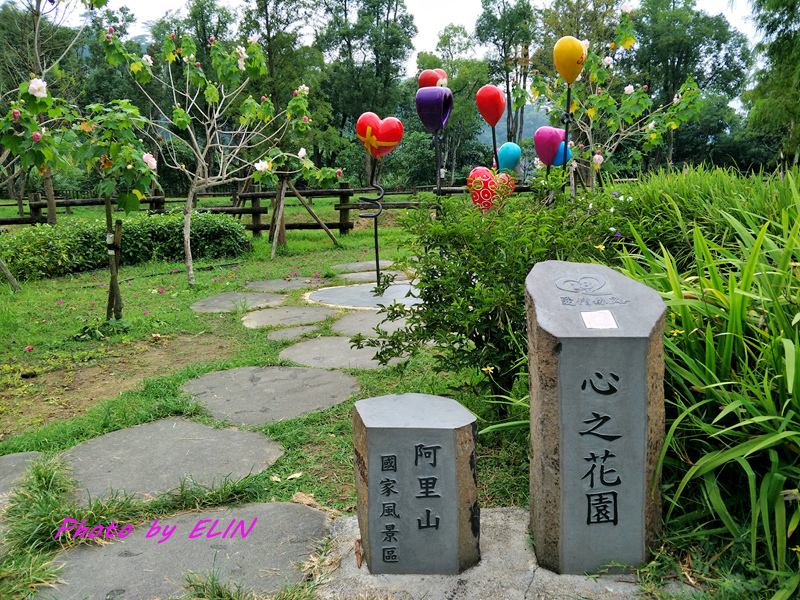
<point>595,340</point>
<point>416,484</point>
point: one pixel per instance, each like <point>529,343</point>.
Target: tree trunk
<point>49,196</point>
<point>114,304</point>
<point>187,231</point>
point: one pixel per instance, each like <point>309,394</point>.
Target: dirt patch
<point>71,392</point>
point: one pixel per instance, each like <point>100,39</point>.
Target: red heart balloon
<point>486,190</point>
<point>378,136</point>
<point>491,103</point>
<point>432,78</point>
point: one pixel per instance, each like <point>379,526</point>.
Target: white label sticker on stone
<point>599,319</point>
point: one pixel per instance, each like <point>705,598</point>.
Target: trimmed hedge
<point>76,246</point>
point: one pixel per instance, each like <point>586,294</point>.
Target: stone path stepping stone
<point>12,468</point>
<point>507,570</point>
<point>332,353</point>
<point>285,285</point>
<point>362,296</point>
<point>287,315</point>
<point>140,568</point>
<point>370,276</point>
<point>362,265</point>
<point>364,322</point>
<point>152,458</point>
<point>232,301</point>
<point>257,395</point>
<point>290,333</point>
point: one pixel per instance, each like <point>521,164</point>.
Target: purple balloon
<point>434,105</point>
<point>546,140</point>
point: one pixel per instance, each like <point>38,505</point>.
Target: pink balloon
<point>546,141</point>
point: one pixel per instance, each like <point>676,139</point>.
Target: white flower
<point>186,59</point>
<point>149,160</point>
<point>651,125</point>
<point>612,228</point>
<point>253,39</point>
<point>626,9</point>
<point>37,88</point>
<point>585,44</point>
<point>302,153</point>
<point>628,89</point>
<point>147,60</point>
<point>676,99</point>
<point>611,209</point>
<point>598,159</point>
<point>538,164</point>
<point>590,205</point>
<point>571,144</point>
<point>607,61</point>
<point>261,165</point>
<point>240,62</point>
<point>578,78</point>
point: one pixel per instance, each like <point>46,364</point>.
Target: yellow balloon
<point>569,55</point>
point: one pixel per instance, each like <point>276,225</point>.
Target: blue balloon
<point>559,159</point>
<point>509,156</point>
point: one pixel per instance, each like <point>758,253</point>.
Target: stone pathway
<point>255,396</point>
<point>362,265</point>
<point>290,333</point>
<point>12,468</point>
<point>332,353</point>
<point>287,315</point>
<point>365,322</point>
<point>285,285</point>
<point>153,458</point>
<point>363,296</point>
<point>232,301</point>
<point>276,536</point>
<point>363,276</point>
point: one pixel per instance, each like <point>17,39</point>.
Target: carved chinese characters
<point>416,484</point>
<point>597,415</point>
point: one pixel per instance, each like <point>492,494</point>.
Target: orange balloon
<point>569,55</point>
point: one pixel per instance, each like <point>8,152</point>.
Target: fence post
<point>344,214</point>
<point>36,212</point>
<point>256,204</point>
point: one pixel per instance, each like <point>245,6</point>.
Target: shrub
<point>76,246</point>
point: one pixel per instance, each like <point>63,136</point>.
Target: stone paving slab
<point>332,353</point>
<point>362,296</point>
<point>12,468</point>
<point>286,315</point>
<point>141,568</point>
<point>285,285</point>
<point>290,333</point>
<point>364,322</point>
<point>507,570</point>
<point>257,395</point>
<point>362,265</point>
<point>232,301</point>
<point>152,458</point>
<point>370,276</point>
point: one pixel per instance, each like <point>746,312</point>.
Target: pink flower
<point>302,153</point>
<point>294,93</point>
<point>149,160</point>
<point>15,114</point>
<point>598,159</point>
<point>36,137</point>
<point>147,60</point>
<point>37,88</point>
<point>160,291</point>
<point>645,88</point>
<point>628,89</point>
<point>173,36</point>
<point>211,40</point>
<point>108,37</point>
<point>110,30</point>
<point>339,173</point>
<point>305,119</point>
<point>607,61</point>
<point>197,64</point>
<point>28,348</point>
<point>147,312</point>
<point>263,98</point>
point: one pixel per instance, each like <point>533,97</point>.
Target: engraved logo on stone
<point>588,285</point>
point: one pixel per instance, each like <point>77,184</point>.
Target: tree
<point>508,27</point>
<point>775,101</point>
<point>366,43</point>
<point>228,133</point>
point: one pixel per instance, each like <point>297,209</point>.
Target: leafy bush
<point>471,268</point>
<point>76,246</point>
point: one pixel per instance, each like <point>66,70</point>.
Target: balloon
<point>434,105</point>
<point>491,103</point>
<point>569,54</point>
<point>546,141</point>
<point>378,136</point>
<point>509,156</point>
<point>559,159</point>
<point>432,78</point>
<point>486,190</point>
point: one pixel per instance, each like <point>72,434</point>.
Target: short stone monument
<point>416,484</point>
<point>597,415</point>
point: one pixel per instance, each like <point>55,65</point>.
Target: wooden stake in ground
<point>113,239</point>
<point>9,276</point>
<point>277,221</point>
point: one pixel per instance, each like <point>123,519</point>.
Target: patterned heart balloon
<point>486,190</point>
<point>378,136</point>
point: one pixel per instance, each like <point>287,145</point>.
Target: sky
<point>431,16</point>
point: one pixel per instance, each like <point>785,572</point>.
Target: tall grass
<point>732,454</point>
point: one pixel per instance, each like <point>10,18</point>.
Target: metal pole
<point>494,148</point>
<point>438,163</point>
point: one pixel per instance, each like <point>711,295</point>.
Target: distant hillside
<point>533,120</point>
